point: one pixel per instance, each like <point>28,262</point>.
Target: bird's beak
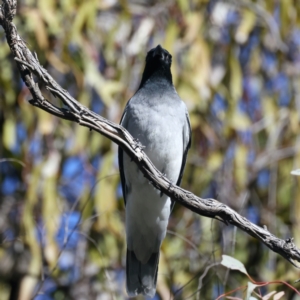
<point>158,51</point>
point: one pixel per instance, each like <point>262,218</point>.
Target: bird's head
<point>159,56</point>
<point>158,65</point>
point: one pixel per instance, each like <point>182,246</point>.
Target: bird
<point>158,119</point>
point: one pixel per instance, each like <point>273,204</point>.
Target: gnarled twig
<point>28,64</point>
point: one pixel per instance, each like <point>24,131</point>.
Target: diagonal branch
<point>28,65</point>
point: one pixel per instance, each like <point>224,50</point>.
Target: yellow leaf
<point>111,248</point>
<point>37,24</point>
<point>269,111</point>
<point>48,13</point>
<point>4,51</point>
<point>287,9</point>
<point>294,121</point>
<point>184,5</point>
<point>188,93</point>
<point>171,35</point>
<point>51,219</point>
<point>194,22</point>
<point>45,122</point>
<point>241,171</point>
<point>86,14</point>
<point>195,120</point>
<point>105,194</point>
<point>215,160</point>
<point>181,277</point>
<point>57,62</point>
<point>29,225</point>
<point>235,84</point>
<point>95,143</point>
<point>115,223</point>
<point>9,133</point>
<point>81,137</point>
<point>173,246</point>
<point>255,61</point>
<point>246,26</point>
<point>239,121</point>
<point>105,88</point>
<point>200,71</point>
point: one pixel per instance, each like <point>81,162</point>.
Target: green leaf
<point>233,264</point>
<point>251,287</point>
<point>278,295</point>
<point>296,172</point>
<point>268,296</point>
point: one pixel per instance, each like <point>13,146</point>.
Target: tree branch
<point>28,65</point>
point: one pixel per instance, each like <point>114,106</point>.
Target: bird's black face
<point>158,66</point>
<point>159,55</point>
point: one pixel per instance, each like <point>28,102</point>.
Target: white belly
<point>147,211</point>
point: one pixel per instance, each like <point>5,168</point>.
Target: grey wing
<point>120,158</point>
<point>187,140</point>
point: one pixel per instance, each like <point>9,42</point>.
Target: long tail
<point>141,278</point>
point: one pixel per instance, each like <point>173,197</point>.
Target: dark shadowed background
<point>236,64</point>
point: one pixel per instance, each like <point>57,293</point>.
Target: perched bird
<point>159,120</point>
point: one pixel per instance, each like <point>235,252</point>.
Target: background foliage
<point>236,65</point>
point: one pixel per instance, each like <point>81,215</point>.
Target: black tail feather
<point>141,278</point>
